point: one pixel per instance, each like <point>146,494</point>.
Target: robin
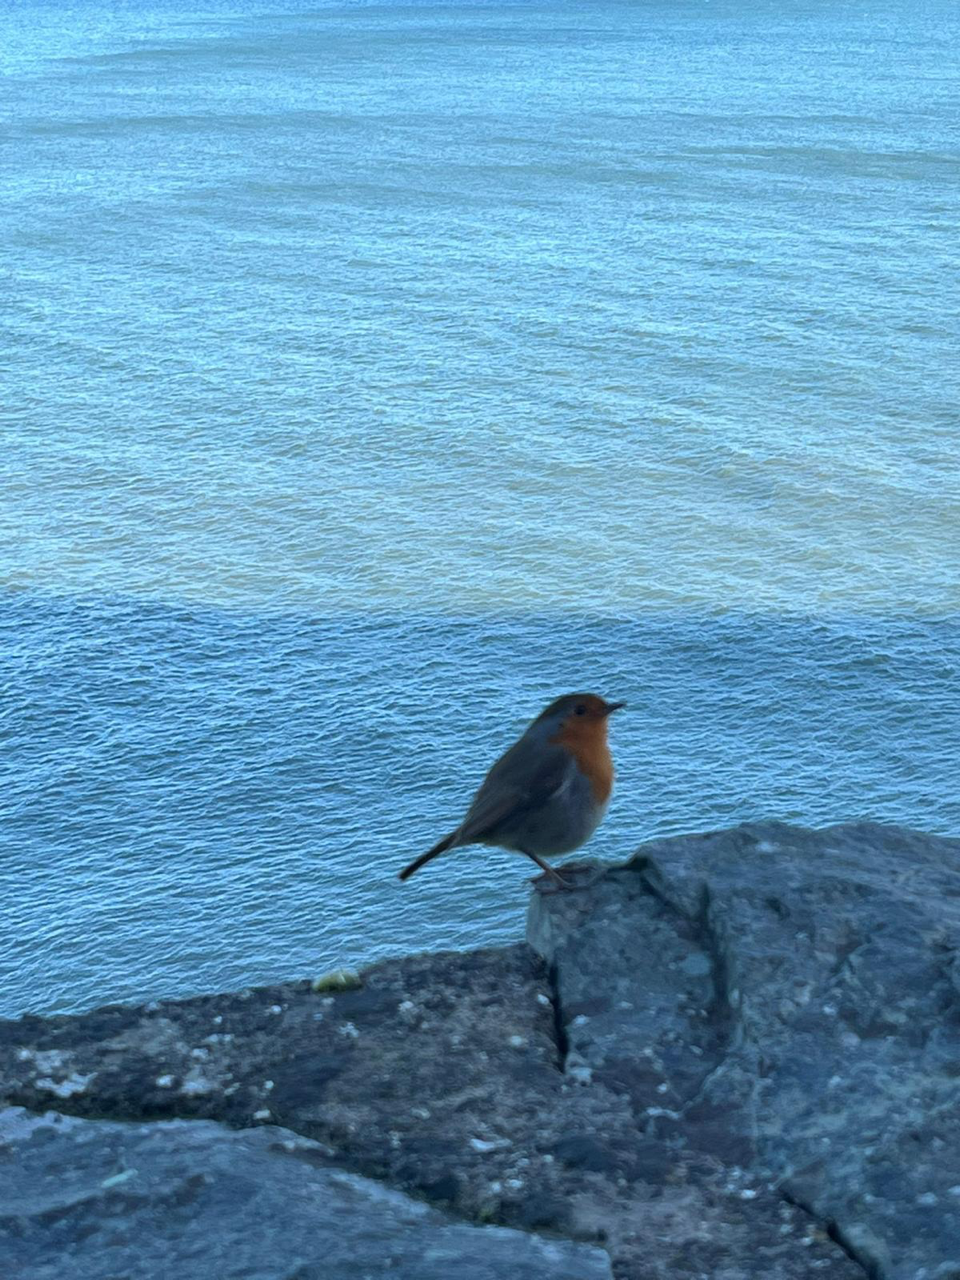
<point>547,794</point>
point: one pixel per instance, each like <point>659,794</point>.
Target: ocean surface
<point>372,373</point>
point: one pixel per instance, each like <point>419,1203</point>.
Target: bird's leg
<point>555,876</point>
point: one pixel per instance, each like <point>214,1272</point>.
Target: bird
<point>547,794</point>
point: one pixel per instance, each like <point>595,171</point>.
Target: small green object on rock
<point>337,980</point>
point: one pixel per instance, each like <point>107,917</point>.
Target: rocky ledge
<point>736,1056</point>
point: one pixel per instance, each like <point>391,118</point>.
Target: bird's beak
<point>613,706</point>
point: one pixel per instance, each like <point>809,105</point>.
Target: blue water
<point>372,373</point>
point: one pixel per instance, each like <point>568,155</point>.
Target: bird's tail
<point>440,847</point>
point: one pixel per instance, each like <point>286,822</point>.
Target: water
<point>373,373</point>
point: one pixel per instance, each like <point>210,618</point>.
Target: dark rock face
<point>443,1077</point>
<point>739,1059</point>
<point>794,997</point>
<point>95,1200</point>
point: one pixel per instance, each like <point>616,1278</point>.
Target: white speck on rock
<point>580,1020</point>
<point>196,1085</point>
<point>767,846</point>
<point>834,1081</point>
<point>406,1006</point>
<point>748,1193</point>
<point>349,1030</point>
<point>662,1088</point>
<point>66,1088</point>
<point>496,1187</point>
<point>117,1178</point>
<point>276,1008</point>
<point>483,1145</point>
<point>47,1060</point>
<point>267,1085</point>
<point>514,1183</point>
<point>830,1010</point>
<point>542,999</point>
<point>517,1042</point>
<point>200,1053</point>
<point>218,1019</point>
<point>262,1114</point>
<point>164,1082</point>
<point>580,1075</point>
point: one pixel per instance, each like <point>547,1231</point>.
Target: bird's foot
<point>551,884</point>
<point>584,876</point>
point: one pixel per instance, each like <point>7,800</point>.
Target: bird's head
<point>583,714</point>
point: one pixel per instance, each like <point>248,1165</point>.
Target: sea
<point>372,373</point>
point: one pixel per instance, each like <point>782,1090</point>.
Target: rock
<point>440,1076</point>
<point>95,1199</point>
<point>787,1002</point>
<point>737,1057</point>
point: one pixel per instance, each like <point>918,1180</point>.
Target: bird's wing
<point>522,779</point>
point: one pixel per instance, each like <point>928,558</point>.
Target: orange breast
<point>586,740</point>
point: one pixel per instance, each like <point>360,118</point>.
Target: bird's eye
<point>579,709</point>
